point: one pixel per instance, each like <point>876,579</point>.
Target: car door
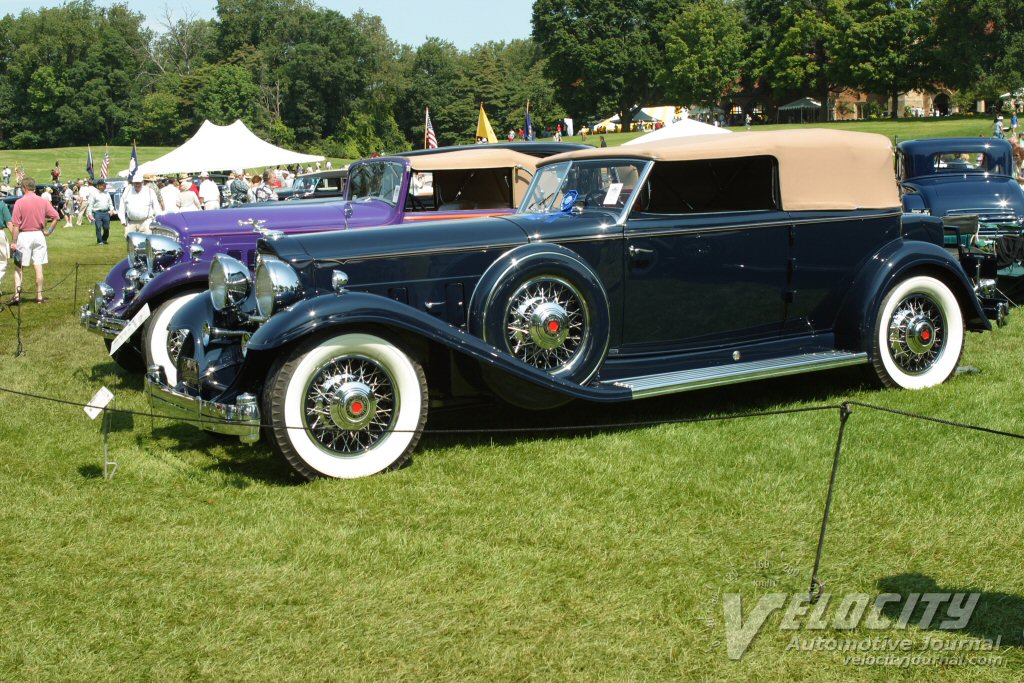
<point>706,256</point>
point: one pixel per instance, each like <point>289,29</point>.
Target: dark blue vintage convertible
<point>960,177</point>
<point>626,273</point>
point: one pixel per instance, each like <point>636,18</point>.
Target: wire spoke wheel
<point>916,333</point>
<point>350,404</point>
<point>547,324</point>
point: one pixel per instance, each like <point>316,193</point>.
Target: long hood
<point>311,214</point>
<point>432,237</point>
<point>959,194</point>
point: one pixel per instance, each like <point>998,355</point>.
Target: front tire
<point>128,357</point>
<point>155,334</point>
<point>346,406</point>
<point>919,334</point>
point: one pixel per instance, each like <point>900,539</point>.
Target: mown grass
<point>593,556</point>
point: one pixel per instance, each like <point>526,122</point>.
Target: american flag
<point>105,165</point>
<point>430,139</point>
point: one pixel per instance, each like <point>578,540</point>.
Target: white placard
<point>614,190</point>
<point>130,329</point>
<point>98,402</point>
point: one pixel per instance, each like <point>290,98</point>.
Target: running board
<point>734,373</point>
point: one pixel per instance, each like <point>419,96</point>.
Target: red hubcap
<point>357,408</point>
<point>926,335</point>
<point>553,326</point>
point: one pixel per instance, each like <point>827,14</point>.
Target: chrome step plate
<point>703,378</point>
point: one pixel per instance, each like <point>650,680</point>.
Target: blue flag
<point>89,166</point>
<point>529,123</point>
<point>133,163</point>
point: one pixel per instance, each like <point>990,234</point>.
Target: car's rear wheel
<point>156,336</point>
<point>347,405</point>
<point>919,334</point>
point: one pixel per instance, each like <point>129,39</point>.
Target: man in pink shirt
<point>28,234</point>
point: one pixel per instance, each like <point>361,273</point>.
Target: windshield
<point>601,184</point>
<point>967,162</point>
<point>376,180</point>
<point>307,184</point>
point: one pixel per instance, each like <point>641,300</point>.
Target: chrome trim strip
<point>418,252</point>
<point>219,418</point>
<point>719,375</point>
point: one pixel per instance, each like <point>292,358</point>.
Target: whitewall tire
<point>346,406</point>
<point>918,335</point>
<point>155,334</point>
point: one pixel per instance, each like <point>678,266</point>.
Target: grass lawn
<point>599,556</point>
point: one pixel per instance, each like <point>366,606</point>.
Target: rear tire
<point>919,334</point>
<point>346,406</point>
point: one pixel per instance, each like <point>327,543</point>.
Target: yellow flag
<point>483,127</point>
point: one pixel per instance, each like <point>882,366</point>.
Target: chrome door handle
<point>637,252</point>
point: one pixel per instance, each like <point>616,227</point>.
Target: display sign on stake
<point>129,329</point>
<point>98,404</point>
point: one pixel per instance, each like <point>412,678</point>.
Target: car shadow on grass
<point>996,615</point>
<point>823,388</point>
<point>241,463</point>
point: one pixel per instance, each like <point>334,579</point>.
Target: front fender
<point>117,281</point>
<point>187,274</point>
<point>357,308</point>
<point>893,262</point>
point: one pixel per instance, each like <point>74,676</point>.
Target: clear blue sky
<point>463,22</point>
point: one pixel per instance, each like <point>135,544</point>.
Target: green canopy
<point>802,103</point>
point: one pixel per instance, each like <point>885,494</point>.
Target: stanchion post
<point>817,587</point>
<point>19,350</point>
<point>109,466</point>
<point>74,301</point>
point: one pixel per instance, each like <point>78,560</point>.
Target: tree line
<point>316,79</point>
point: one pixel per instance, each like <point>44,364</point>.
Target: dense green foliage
<point>314,78</point>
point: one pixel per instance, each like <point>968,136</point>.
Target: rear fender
<point>894,262</point>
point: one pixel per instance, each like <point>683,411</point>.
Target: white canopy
<point>215,148</point>
<point>680,129</point>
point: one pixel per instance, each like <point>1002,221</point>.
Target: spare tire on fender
<point>543,304</point>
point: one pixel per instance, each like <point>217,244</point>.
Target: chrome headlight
<point>230,282</point>
<point>277,286</point>
<point>102,294</point>
<point>162,252</point>
<point>136,249</point>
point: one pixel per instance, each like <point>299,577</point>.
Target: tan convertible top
<point>468,159</point>
<point>819,169</point>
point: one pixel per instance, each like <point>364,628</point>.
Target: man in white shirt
<point>98,211</point>
<point>209,193</point>
<point>170,193</point>
<point>139,206</point>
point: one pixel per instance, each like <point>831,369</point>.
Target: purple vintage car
<point>165,269</point>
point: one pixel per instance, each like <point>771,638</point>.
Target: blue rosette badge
<point>568,200</point>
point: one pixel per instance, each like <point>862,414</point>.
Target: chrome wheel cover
<point>916,334</point>
<point>350,404</point>
<point>547,324</point>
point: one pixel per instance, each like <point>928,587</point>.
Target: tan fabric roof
<point>819,169</point>
<point>466,159</point>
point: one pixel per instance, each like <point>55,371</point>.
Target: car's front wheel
<point>918,335</point>
<point>348,405</point>
<point>156,336</point>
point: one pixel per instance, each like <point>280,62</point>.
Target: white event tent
<point>215,148</point>
<point>680,129</point>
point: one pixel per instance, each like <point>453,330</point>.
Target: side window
<point>711,186</point>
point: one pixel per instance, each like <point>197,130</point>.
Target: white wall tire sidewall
<point>389,448</point>
<point>954,332</point>
<point>156,344</point>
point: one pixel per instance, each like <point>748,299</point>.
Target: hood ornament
<point>257,226</point>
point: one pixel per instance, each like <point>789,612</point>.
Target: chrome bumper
<point>241,419</point>
<point>106,325</point>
